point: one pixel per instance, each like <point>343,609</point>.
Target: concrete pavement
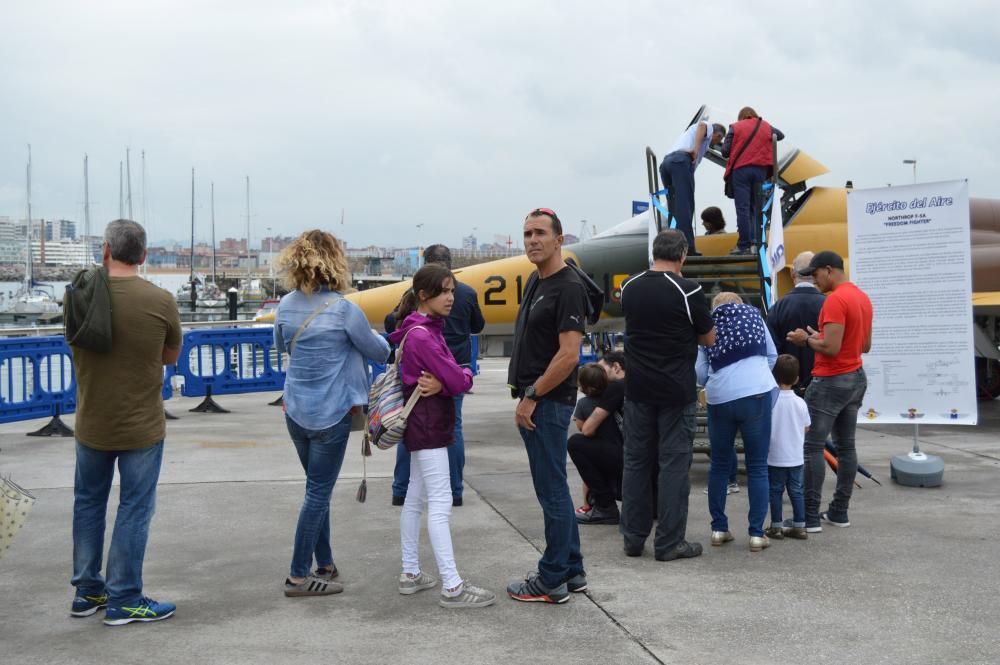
<point>913,580</point>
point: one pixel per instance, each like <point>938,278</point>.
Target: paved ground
<point>914,580</point>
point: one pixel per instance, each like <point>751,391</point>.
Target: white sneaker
<point>471,596</point>
<point>410,585</point>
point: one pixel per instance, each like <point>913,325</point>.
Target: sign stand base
<point>917,469</point>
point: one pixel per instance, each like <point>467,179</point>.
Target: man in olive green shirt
<point>119,418</point>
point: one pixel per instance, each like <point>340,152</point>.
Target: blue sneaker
<point>532,590</point>
<point>145,610</point>
<point>84,606</point>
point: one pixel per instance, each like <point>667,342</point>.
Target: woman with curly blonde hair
<point>327,339</point>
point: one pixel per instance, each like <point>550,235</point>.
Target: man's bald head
<point>801,262</point>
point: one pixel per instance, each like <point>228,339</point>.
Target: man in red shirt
<point>838,385</point>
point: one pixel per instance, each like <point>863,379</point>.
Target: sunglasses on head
<point>544,211</point>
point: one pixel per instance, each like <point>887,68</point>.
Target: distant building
<point>59,229</point>
<point>61,253</point>
<point>469,242</point>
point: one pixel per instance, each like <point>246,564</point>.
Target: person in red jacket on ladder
<point>749,141</point>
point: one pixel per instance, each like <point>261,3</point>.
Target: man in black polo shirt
<point>542,375</point>
<point>666,318</point>
<point>799,308</point>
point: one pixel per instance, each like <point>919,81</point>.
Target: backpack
<point>387,410</point>
<point>87,310</point>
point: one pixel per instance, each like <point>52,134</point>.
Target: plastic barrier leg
<point>55,427</point>
<point>169,416</point>
<point>278,402</point>
<point>208,405</point>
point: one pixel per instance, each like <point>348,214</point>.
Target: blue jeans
<point>746,182</point>
<point>833,403</point>
<point>677,174</point>
<point>456,459</point>
<point>321,453</point>
<point>790,477</point>
<point>751,416</point>
<point>546,446</point>
<point>95,469</point>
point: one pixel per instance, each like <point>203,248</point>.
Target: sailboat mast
<point>27,230</point>
<point>143,186</point>
<point>121,191</point>
<point>214,278</point>
<point>86,212</point>
<point>128,182</point>
<point>248,233</point>
<point>192,226</point>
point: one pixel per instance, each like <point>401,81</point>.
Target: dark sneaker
<point>456,501</point>
<point>633,550</point>
<point>532,590</point>
<point>398,500</point>
<point>835,520</point>
<point>814,528</point>
<point>84,606</point>
<point>145,610</point>
<point>577,583</point>
<point>598,515</point>
<point>684,550</point>
<point>775,533</point>
<point>795,532</point>
<point>327,574</point>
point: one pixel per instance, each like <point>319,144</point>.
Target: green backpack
<point>87,310</point>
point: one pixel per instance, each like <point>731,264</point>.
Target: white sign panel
<point>910,252</point>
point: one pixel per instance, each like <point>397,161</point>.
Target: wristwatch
<point>529,393</point>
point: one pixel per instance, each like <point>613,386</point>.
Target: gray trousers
<point>833,403</point>
<point>656,437</point>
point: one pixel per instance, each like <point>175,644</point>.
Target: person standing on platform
<point>677,173</point>
<point>838,385</point>
<point>799,308</point>
<point>119,419</point>
<point>666,318</point>
<point>712,221</point>
<point>542,377</point>
<point>465,320</point>
<point>749,141</point>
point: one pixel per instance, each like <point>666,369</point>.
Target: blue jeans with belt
<point>321,453</point>
<point>677,174</point>
<point>751,416</point>
<point>95,469</point>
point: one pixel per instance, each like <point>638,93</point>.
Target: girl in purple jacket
<point>429,431</point>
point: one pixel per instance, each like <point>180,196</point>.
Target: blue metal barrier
<point>229,361</point>
<point>37,381</point>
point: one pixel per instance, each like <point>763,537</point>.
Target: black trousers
<point>599,462</point>
<point>658,440</point>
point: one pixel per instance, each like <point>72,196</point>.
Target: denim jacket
<point>326,373</point>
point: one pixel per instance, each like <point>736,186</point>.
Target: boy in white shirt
<point>789,422</point>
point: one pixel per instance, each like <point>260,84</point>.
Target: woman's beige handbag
<point>15,502</point>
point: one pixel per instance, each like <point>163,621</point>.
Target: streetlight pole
<point>914,163</point>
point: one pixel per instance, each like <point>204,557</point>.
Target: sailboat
<point>212,296</point>
<point>33,298</point>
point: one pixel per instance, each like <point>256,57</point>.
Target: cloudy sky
<point>462,115</point>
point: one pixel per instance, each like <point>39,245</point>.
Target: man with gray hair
<point>666,318</point>
<point>677,173</point>
<point>799,308</point>
<point>119,418</point>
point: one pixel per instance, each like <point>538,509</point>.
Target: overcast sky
<point>469,114</point>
